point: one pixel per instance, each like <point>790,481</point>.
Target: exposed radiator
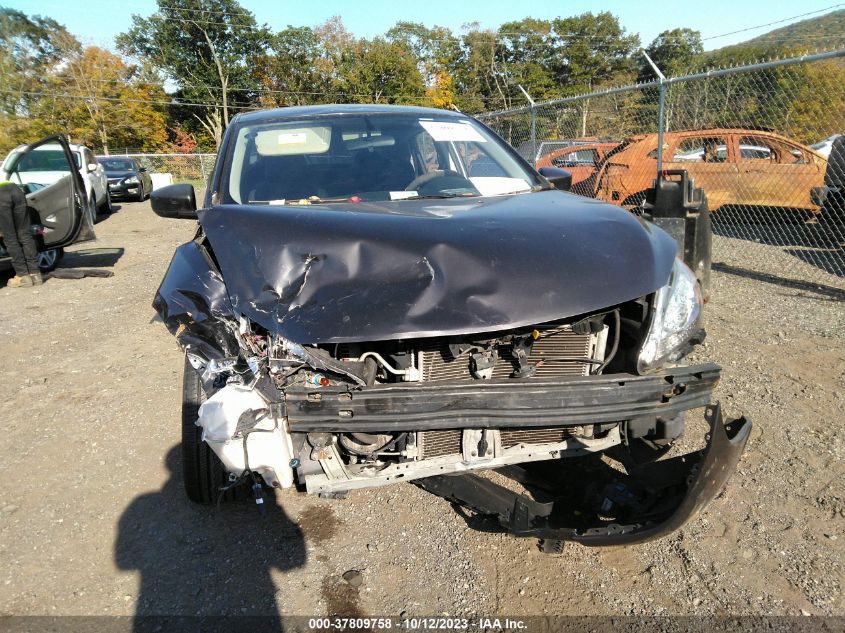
<point>438,443</point>
<point>437,363</point>
<point>515,437</point>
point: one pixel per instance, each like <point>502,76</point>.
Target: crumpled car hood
<point>394,270</point>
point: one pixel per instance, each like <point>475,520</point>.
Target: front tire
<point>105,206</point>
<point>95,210</point>
<point>204,473</point>
<point>49,259</point>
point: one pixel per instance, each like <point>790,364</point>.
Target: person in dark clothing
<point>14,225</point>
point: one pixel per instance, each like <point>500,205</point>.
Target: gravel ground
<point>93,519</point>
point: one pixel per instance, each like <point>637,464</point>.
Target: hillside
<point>826,32</point>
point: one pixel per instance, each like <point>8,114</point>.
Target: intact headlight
<point>677,311</point>
<point>132,180</point>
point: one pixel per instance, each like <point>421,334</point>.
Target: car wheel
<point>106,206</point>
<point>49,259</point>
<point>141,195</point>
<point>94,211</point>
<point>204,473</point>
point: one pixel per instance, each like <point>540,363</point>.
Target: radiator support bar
<point>510,403</point>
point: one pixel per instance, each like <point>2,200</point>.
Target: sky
<point>98,21</point>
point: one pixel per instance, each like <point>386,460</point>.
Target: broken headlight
<point>677,310</point>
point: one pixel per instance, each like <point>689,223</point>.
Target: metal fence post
<point>661,86</point>
<point>533,114</point>
<point>661,125</point>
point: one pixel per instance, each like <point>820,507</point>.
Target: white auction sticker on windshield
<point>447,131</point>
<point>403,195</point>
<point>292,138</point>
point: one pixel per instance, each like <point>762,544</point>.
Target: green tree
<point>28,53</point>
<point>481,77</point>
<point>438,54</point>
<point>208,48</point>
<point>590,49</point>
<point>549,59</point>
<point>379,71</point>
<point>674,52</point>
<point>294,70</point>
<point>437,49</point>
<point>527,55</point>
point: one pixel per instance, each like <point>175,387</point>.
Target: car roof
<point>72,147</point>
<point>715,131</point>
<point>637,138</point>
<point>586,146</point>
<point>357,108</point>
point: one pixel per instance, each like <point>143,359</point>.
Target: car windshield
<point>116,164</point>
<point>350,158</point>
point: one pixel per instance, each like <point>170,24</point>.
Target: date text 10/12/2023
<point>417,624</point>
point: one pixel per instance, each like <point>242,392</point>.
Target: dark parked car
<point>359,309</point>
<point>831,196</point>
<point>61,212</point>
<point>127,179</point>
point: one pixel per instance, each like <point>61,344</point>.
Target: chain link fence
<point>757,138</point>
<point>194,169</point>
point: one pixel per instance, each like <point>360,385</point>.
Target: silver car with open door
<point>60,212</point>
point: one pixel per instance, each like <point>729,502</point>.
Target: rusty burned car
<point>581,161</point>
<point>740,170</point>
<point>385,294</point>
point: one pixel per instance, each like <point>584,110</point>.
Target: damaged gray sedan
<point>380,294</point>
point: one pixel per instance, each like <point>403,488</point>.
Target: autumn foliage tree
<point>88,93</point>
<point>102,102</point>
<point>183,141</point>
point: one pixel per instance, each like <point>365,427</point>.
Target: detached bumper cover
<point>654,501</point>
<point>499,404</point>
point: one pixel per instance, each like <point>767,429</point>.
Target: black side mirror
<point>560,178</point>
<point>142,170</point>
<point>175,201</point>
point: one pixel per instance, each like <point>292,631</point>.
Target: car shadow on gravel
<point>205,562</point>
<point>836,294</point>
<point>820,244</point>
<point>102,216</point>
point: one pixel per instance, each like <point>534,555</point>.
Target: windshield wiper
<point>441,196</point>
